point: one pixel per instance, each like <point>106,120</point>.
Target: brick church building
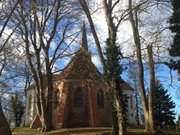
<point>80,95</point>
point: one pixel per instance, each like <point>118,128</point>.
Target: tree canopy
<point>174,51</point>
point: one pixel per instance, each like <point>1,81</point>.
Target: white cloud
<point>95,59</point>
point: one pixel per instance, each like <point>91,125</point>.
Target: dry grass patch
<point>69,131</point>
<point>85,131</point>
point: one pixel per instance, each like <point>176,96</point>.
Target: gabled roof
<point>81,67</point>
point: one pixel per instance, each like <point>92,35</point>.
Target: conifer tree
<point>174,51</point>
<point>164,108</point>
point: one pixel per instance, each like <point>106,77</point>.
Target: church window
<point>100,99</point>
<point>78,97</point>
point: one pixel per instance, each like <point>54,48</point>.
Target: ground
<point>73,131</point>
<point>84,131</point>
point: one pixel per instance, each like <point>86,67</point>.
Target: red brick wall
<point>77,116</point>
<point>89,115</point>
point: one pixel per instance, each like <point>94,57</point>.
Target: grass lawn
<point>84,131</point>
<point>69,131</point>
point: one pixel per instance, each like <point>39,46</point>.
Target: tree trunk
<point>49,97</point>
<point>41,45</point>
<point>146,120</point>
<point>4,126</point>
<point>47,104</point>
<point>44,120</point>
<point>134,23</point>
<point>115,127</point>
<point>152,89</point>
<point>44,114</point>
<point>121,128</point>
<point>121,109</point>
<point>137,104</point>
<point>118,114</point>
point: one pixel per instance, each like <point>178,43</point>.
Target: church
<point>80,95</point>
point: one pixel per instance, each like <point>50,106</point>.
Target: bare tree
<point>147,101</point>
<point>134,23</point>
<point>4,127</point>
<point>152,88</point>
<point>42,25</point>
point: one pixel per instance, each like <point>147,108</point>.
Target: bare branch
<point>8,18</point>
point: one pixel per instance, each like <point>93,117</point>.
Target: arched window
<point>78,97</point>
<point>100,99</point>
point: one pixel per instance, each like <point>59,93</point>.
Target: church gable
<point>81,67</point>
